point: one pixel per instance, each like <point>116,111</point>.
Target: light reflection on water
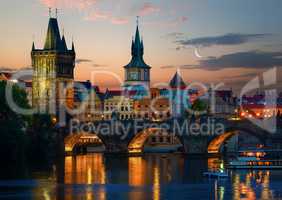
<point>168,176</point>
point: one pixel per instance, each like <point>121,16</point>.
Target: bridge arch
<point>83,139</point>
<point>216,143</point>
<point>136,144</point>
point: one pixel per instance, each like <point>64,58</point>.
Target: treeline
<point>24,140</point>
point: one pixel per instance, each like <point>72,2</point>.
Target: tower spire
<point>137,21</point>
<point>137,50</point>
<point>53,38</point>
<point>33,46</point>
<point>137,41</point>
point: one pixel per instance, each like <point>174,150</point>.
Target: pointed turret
<point>53,38</point>
<point>33,46</point>
<point>177,81</point>
<point>64,44</point>
<point>72,47</point>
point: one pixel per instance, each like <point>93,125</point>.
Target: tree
<point>199,106</point>
<point>41,151</point>
<point>13,139</point>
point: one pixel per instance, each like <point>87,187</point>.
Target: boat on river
<point>255,160</point>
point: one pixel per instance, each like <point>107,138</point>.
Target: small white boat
<point>217,174</point>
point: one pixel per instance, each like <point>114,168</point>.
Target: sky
<point>215,41</point>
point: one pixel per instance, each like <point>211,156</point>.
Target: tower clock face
<point>133,76</point>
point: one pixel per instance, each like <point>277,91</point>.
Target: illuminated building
<point>119,105</point>
<point>142,109</point>
<point>155,92</point>
<point>161,109</point>
<point>88,101</point>
<point>259,111</point>
<point>52,71</point>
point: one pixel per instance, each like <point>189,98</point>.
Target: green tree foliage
<point>42,141</point>
<point>199,106</point>
<point>24,138</point>
<point>13,139</point>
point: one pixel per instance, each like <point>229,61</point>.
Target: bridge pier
<point>196,145</point>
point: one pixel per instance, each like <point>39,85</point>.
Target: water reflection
<point>157,177</point>
<point>86,170</point>
<point>254,185</point>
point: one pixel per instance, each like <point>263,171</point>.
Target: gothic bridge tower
<point>53,67</point>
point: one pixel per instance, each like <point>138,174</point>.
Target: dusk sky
<point>235,40</point>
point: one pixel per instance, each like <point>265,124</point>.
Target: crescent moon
<point>197,54</point>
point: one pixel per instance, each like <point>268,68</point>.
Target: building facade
<point>118,107</point>
<point>87,102</point>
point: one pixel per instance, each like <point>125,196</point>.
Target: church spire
<point>137,35</point>
<point>137,50</point>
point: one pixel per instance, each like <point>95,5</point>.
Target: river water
<point>151,176</point>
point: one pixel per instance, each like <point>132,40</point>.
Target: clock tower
<point>137,72</point>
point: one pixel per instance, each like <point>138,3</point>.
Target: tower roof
<point>53,38</point>
<point>177,81</point>
<point>137,52</point>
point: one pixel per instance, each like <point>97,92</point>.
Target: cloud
<point>180,66</point>
<point>147,9</point>
<point>169,23</point>
<point>257,60</point>
<point>98,65</point>
<point>94,13</point>
<point>228,39</point>
<point>72,4</point>
<point>250,59</point>
<point>10,69</point>
<point>90,62</point>
<point>82,60</point>
<point>119,20</point>
<point>6,69</point>
<point>97,15</point>
<point>168,66</point>
<point>174,35</point>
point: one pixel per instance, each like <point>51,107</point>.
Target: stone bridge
<point>205,135</point>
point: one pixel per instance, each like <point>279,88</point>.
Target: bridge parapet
<point>117,135</point>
